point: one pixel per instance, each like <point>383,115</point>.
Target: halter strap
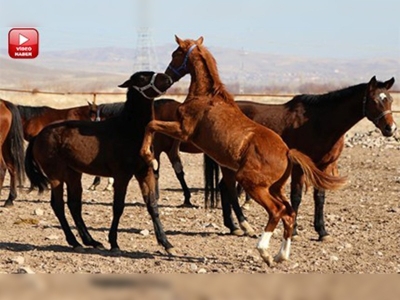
<point>150,85</point>
<point>98,115</point>
<point>184,64</point>
<point>381,115</point>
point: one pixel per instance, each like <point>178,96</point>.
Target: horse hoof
<point>246,206</point>
<point>8,204</point>
<point>116,251</point>
<point>325,238</point>
<point>100,247</point>
<point>79,249</point>
<point>266,257</point>
<point>92,188</point>
<point>248,230</point>
<point>110,189</point>
<point>237,232</point>
<point>279,258</point>
<point>171,251</point>
<point>296,237</point>
<point>186,205</point>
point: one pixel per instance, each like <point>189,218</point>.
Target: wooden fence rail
<point>266,98</point>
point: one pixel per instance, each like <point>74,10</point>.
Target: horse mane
<point>328,98</point>
<point>218,88</point>
<point>29,112</point>
<point>111,109</point>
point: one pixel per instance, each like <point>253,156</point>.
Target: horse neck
<point>45,113</point>
<point>205,79</point>
<point>344,114</point>
<point>137,109</point>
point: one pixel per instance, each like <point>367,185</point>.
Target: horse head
<point>178,67</point>
<point>377,105</point>
<point>149,84</point>
<point>94,111</point>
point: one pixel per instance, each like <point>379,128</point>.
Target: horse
<point>62,151</point>
<point>164,109</point>
<point>256,156</point>
<point>35,118</point>
<point>11,148</point>
<point>316,125</point>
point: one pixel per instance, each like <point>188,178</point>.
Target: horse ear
<point>372,84</point>
<point>200,40</point>
<point>388,84</point>
<point>179,41</point>
<point>126,84</point>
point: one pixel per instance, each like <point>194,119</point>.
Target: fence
<point>69,99</point>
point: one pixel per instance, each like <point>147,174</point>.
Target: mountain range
<point>102,69</point>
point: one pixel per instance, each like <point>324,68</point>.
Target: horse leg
<point>227,210</point>
<point>3,171</point>
<point>120,186</point>
<point>12,195</point>
<point>296,191</point>
<point>229,178</point>
<point>288,218</point>
<point>173,129</point>
<point>147,187</point>
<point>110,184</point>
<point>57,204</point>
<point>74,201</point>
<point>96,182</point>
<point>176,162</point>
<point>319,223</point>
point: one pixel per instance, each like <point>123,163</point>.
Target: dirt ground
<point>363,219</point>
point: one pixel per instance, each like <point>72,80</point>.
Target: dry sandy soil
<point>363,219</point>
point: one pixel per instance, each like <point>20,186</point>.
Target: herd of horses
<point>267,144</point>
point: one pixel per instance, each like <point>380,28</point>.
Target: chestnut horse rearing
<point>211,120</point>
<point>62,151</point>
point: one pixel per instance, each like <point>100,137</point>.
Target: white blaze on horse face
<point>263,243</point>
<point>382,96</point>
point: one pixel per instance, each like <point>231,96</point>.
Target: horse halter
<point>150,85</point>
<point>374,120</point>
<point>183,66</point>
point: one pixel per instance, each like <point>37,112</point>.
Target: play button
<point>22,39</point>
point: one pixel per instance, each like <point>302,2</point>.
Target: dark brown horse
<point>315,125</point>
<point>164,109</point>
<point>62,151</point>
<point>11,148</point>
<point>35,118</point>
<point>256,156</point>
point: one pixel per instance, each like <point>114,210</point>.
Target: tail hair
<point>16,139</point>
<point>33,170</point>
<point>314,176</point>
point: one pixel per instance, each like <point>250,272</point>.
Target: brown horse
<point>210,119</point>
<point>315,125</point>
<point>35,118</point>
<point>63,151</point>
<point>11,148</point>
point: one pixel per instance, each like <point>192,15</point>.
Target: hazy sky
<point>322,28</point>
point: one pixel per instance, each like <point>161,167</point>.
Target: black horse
<point>61,152</point>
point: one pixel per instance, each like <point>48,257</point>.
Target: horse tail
<point>35,174</point>
<point>314,176</point>
<point>16,139</point>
